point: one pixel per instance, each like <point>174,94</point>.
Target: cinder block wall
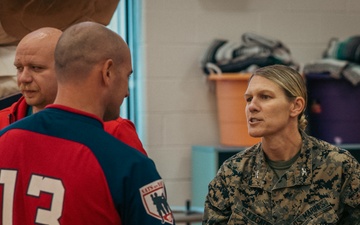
<point>180,109</point>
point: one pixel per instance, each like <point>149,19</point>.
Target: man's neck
<point>35,109</point>
<point>29,110</point>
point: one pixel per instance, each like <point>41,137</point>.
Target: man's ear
<point>106,71</point>
<point>297,106</point>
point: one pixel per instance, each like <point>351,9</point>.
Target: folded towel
<point>352,73</point>
<point>253,51</point>
<point>334,67</point>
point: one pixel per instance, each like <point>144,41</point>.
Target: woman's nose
<point>252,105</point>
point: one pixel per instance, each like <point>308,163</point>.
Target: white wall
<point>180,109</point>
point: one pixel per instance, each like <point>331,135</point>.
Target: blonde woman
<point>289,177</point>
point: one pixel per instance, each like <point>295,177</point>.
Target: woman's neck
<point>282,148</point>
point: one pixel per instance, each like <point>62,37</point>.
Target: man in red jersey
<point>59,166</point>
<point>34,61</point>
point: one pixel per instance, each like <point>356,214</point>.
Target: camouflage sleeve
<point>217,207</point>
<point>351,193</point>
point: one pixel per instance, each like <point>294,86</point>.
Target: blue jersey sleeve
<point>146,201</point>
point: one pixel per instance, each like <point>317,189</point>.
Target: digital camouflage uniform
<point>321,187</point>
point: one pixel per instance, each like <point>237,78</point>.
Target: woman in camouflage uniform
<point>289,177</point>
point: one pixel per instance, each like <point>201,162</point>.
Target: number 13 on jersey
<point>37,184</point>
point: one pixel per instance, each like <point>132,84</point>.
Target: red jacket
<point>120,128</point>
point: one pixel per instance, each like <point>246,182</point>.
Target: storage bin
<point>333,109</point>
<point>230,89</point>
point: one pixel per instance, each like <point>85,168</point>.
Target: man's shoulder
<point>4,117</point>
<point>119,122</point>
<point>125,131</point>
<point>13,113</point>
<point>5,112</point>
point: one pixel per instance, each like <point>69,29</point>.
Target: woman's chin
<point>255,134</point>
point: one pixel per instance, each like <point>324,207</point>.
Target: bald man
<point>59,166</point>
<point>34,61</point>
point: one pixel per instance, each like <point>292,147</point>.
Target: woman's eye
<point>265,96</point>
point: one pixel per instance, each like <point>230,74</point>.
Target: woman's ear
<point>297,106</point>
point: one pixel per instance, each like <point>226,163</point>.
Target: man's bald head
<point>44,38</point>
<point>50,34</point>
<point>93,66</point>
<point>85,44</point>
<point>34,61</point>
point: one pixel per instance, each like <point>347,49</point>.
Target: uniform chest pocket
<point>242,215</point>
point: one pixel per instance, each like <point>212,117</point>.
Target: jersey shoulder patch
<point>154,198</point>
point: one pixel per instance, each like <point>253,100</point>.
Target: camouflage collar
<point>300,173</point>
